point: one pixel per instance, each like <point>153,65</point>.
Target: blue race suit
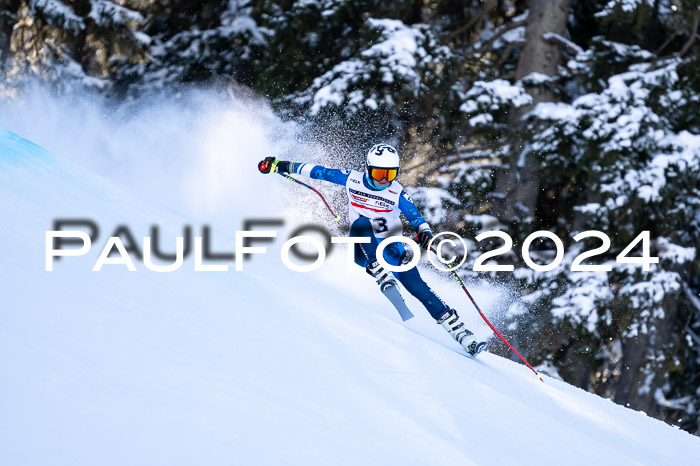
<point>375,214</point>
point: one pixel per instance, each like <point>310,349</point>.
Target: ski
<point>391,291</point>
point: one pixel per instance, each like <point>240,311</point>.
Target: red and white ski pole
<point>459,280</point>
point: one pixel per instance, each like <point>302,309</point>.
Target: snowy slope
<point>264,366</point>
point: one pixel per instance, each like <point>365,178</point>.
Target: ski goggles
<point>380,173</point>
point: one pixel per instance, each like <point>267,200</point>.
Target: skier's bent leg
<point>440,311</point>
<point>414,283</point>
<point>365,253</point>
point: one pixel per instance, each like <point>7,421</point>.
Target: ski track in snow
<point>264,366</point>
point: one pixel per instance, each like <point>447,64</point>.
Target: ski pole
<point>336,217</point>
<point>459,280</point>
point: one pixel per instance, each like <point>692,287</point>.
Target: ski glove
<point>272,165</point>
<point>424,238</point>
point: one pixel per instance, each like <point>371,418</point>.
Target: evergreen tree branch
<point>665,44</point>
<point>692,299</point>
<point>569,46</point>
<point>468,25</point>
<point>506,53</point>
<point>693,36</point>
<point>508,27</point>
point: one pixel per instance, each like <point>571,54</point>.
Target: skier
<point>376,201</point>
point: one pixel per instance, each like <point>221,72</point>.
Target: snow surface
<point>264,366</point>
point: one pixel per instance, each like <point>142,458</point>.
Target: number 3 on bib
<point>380,225</point>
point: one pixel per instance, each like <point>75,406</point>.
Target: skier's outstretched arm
<point>271,165</point>
<point>413,216</point>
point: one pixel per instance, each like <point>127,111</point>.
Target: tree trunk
<point>517,188</point>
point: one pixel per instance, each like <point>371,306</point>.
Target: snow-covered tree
<point>618,152</point>
<point>200,43</point>
<point>391,77</point>
<point>72,42</point>
<point>635,163</point>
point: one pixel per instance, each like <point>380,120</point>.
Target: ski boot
<point>455,327</point>
<point>384,279</point>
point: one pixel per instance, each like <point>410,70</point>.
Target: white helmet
<point>382,163</point>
